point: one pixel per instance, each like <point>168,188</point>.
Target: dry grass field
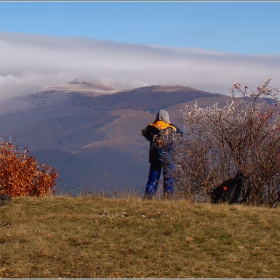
<point>97,237</point>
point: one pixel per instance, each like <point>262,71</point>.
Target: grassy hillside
<point>95,237</point>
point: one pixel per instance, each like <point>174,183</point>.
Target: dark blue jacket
<point>159,134</point>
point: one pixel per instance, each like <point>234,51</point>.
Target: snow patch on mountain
<point>79,86</point>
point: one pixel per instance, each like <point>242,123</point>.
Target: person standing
<point>161,154</point>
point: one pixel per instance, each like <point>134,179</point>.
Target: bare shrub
<point>243,135</point>
<point>21,174</point>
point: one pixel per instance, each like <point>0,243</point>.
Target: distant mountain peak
<point>83,87</point>
<point>80,83</point>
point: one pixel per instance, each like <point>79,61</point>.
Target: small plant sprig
<point>261,91</point>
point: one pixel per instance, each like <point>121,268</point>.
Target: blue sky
<point>205,45</point>
<point>240,27</point>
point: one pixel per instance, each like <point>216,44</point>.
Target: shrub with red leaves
<point>22,175</point>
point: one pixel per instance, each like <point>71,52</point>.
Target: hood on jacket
<point>162,115</point>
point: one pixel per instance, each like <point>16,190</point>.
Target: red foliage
<point>21,175</point>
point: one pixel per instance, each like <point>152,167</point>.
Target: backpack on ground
<point>233,190</point>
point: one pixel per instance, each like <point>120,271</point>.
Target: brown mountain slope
<point>116,162</point>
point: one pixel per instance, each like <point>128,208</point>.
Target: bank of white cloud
<point>31,62</point>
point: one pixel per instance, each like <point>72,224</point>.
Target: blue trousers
<point>154,176</point>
